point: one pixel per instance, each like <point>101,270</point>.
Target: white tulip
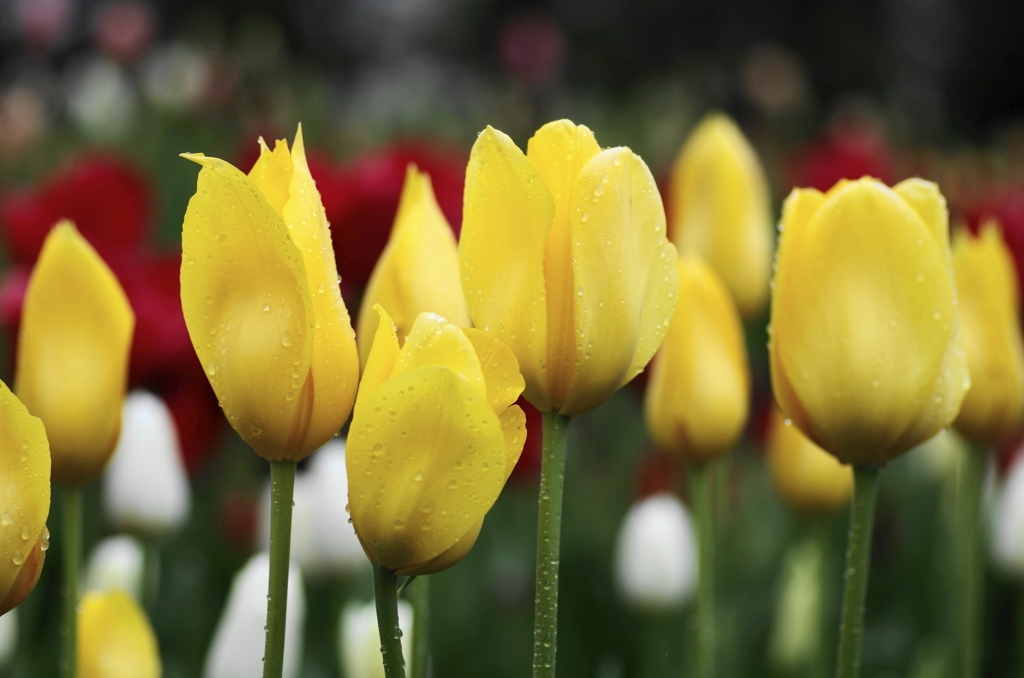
<point>1007,525</point>
<point>359,639</point>
<point>8,637</point>
<point>237,647</point>
<point>146,488</point>
<point>117,562</point>
<point>656,554</point>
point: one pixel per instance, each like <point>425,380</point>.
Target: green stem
<point>282,486</point>
<point>659,644</point>
<point>72,496</point>
<point>549,537</point>
<point>701,476</point>
<point>972,478</point>
<point>1020,632</point>
<point>385,593</point>
<point>858,555</point>
<point>421,628</point>
<point>150,575</point>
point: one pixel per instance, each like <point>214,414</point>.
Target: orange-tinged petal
<point>507,214</point>
<point>115,640</point>
<point>807,477</point>
<point>500,369</point>
<point>627,280</point>
<point>72,366</point>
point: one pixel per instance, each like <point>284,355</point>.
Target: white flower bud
<point>8,636</point>
<point>116,563</point>
<point>1007,525</point>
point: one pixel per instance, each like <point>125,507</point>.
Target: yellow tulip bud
<point>698,396</point>
<point>24,500</point>
<point>259,288</point>
<point>115,640</point>
<point>418,272</point>
<point>720,209</point>
<point>72,366</point>
<point>434,437</point>
<point>806,477</point>
<point>564,259</point>
<point>986,283</point>
<point>866,351</point>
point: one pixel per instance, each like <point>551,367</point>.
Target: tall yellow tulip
<point>564,259</point>
<point>721,211</point>
<point>807,478</point>
<point>24,500</point>
<point>866,351</point>
<point>987,285</point>
<point>115,638</point>
<point>434,437</point>
<point>259,288</point>
<point>698,396</point>
<point>418,272</point>
<point>72,365</point>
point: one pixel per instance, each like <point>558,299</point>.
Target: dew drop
<point>286,340</point>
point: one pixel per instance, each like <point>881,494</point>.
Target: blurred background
<point>97,99</point>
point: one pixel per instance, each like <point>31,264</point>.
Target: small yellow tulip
<point>698,397</point>
<point>866,351</point>
<point>564,259</point>
<point>259,288</point>
<point>115,640</point>
<point>720,209</point>
<point>24,500</point>
<point>72,365</point>
<point>434,437</point>
<point>806,477</point>
<point>418,272</point>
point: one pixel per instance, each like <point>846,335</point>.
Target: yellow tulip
<point>434,437</point>
<point>720,209</point>
<point>806,477</point>
<point>72,365</point>
<point>564,259</point>
<point>24,500</point>
<point>698,396</point>
<point>115,640</point>
<point>418,272</point>
<point>259,288</point>
<point>987,285</point>
<point>866,351</point>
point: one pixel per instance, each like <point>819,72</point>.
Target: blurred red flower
<point>849,149</point>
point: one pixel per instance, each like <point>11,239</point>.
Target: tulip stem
<point>282,486</point>
<point>549,537</point>
<point>972,477</point>
<point>420,664</point>
<point>858,556</point>
<point>702,478</point>
<point>72,496</point>
<point>385,594</point>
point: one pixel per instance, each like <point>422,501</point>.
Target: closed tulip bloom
<point>259,288</point>
<point>807,477</point>
<point>434,437</point>
<point>145,488</point>
<point>359,639</point>
<point>990,308</point>
<point>115,640</point>
<point>24,500</point>
<point>698,396</point>
<point>564,259</point>
<point>720,209</point>
<point>866,351</point>
<point>72,366</point>
<point>418,272</point>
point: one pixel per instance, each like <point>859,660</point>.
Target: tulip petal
<point>513,426</point>
<point>250,343</point>
<point>625,269</point>
<point>446,559</point>
<point>115,640</point>
<point>500,369</point>
<point>508,213</point>
<point>436,342</point>
<point>72,366</point>
<point>420,494</point>
<point>383,355</point>
<point>272,173</point>
<point>930,205</point>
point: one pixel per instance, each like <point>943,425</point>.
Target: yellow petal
<point>697,399</point>
<point>426,460</point>
<point>446,559</point>
<point>24,498</point>
<point>627,280</point>
<point>508,213</point>
<point>930,205</point>
<point>721,209</point>
<point>807,477</point>
<point>418,271</point>
<point>436,342</point>
<point>382,357</point>
<point>245,296</point>
<point>72,366</point>
<point>115,640</point>
<point>272,174</point>
<point>513,426</point>
<point>500,369</point>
